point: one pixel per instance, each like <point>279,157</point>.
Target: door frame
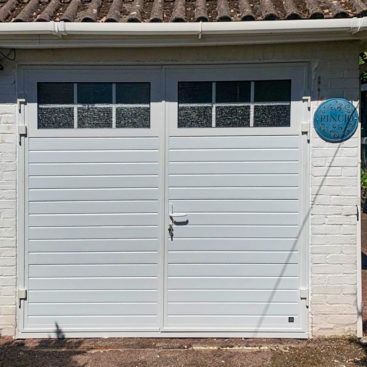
<point>22,146</point>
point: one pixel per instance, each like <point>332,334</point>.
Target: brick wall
<point>334,181</point>
<point>334,168</point>
<point>8,151</point>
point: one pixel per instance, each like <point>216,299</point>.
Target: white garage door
<point>172,207</point>
<point>234,257</point>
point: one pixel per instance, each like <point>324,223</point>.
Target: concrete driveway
<point>135,352</point>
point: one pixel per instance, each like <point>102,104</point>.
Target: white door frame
<point>301,71</point>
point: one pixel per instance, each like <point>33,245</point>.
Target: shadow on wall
<point>41,352</point>
<point>303,227</point>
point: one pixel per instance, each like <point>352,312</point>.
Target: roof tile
<point>314,9</point>
<point>291,11</point>
<point>71,11</point>
<point>246,11</point>
<point>7,9</point>
<point>176,10</point>
<point>224,14</point>
<point>114,13</point>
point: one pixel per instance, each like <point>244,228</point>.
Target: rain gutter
<point>61,34</point>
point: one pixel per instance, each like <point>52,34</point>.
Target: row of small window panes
<point>234,104</point>
<point>93,105</point>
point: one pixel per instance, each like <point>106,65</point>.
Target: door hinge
<point>307,99</point>
<point>22,127</point>
<point>305,128</point>
<point>303,295</point>
<point>357,212</point>
<point>21,101</point>
<point>22,295</point>
<point>22,131</point>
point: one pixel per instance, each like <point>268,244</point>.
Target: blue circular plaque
<point>336,120</point>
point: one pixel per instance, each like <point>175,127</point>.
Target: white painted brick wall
<point>334,169</point>
<point>7,201</point>
<point>334,180</point>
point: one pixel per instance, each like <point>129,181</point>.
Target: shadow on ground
<point>52,352</point>
<point>40,353</point>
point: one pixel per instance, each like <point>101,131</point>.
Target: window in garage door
<point>234,104</point>
<point>93,105</point>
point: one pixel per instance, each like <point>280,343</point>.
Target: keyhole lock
<point>175,218</point>
<point>170,230</point>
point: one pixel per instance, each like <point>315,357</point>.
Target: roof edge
<point>65,34</point>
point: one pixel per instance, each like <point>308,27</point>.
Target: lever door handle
<point>181,216</point>
<point>176,217</point>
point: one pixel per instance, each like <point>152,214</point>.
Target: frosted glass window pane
<point>55,118</point>
<point>133,93</point>
<point>94,117</point>
<point>233,116</point>
<point>132,117</point>
<point>55,93</point>
<point>194,116</point>
<point>92,93</point>
<point>272,116</point>
<point>195,92</point>
<point>273,91</point>
<point>190,96</point>
<point>230,92</point>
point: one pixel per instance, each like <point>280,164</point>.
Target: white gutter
<point>41,33</point>
<point>349,25</point>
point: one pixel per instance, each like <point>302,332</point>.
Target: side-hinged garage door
<point>163,201</point>
<point>236,200</point>
<point>93,201</point>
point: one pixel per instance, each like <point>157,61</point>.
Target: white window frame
<point>237,73</point>
<point>87,75</point>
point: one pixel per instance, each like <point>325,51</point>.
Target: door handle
<point>181,217</point>
<point>178,217</point>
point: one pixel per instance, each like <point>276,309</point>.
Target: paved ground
<point>182,353</point>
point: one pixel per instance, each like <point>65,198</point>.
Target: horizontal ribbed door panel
<point>235,265</point>
<point>93,233</point>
